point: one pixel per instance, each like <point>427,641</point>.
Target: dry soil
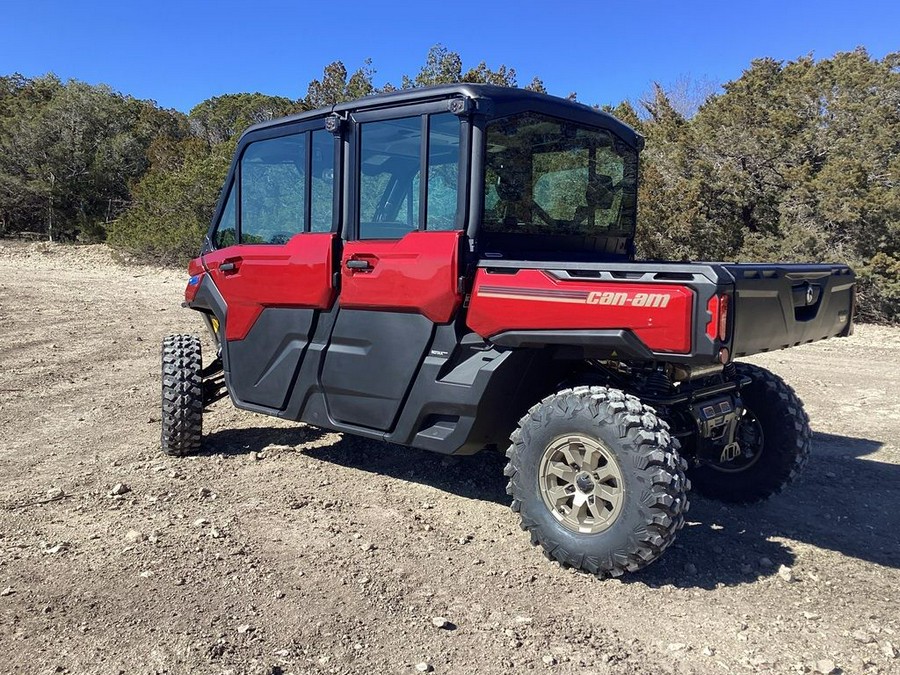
<point>286,549</point>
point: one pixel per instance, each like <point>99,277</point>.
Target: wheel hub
<point>581,483</point>
<point>584,483</point>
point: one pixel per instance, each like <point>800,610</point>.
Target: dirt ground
<point>284,549</point>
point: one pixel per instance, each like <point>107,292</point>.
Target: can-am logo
<point>624,299</point>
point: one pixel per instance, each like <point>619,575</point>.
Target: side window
<point>443,171</point>
<point>273,190</point>
<point>390,154</point>
<point>393,159</point>
<point>322,176</point>
<point>226,231</point>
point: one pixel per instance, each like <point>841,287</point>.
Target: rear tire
<point>597,480</point>
<point>783,441</point>
<point>182,395</point>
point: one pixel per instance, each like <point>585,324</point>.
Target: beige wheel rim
<point>581,483</point>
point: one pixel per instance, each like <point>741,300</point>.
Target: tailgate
<point>778,306</point>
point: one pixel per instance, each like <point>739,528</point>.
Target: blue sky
<point>180,53</point>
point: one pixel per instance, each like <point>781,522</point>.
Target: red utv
<point>453,269</point>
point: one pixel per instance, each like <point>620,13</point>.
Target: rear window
<point>551,177</point>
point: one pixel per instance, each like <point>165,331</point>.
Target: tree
<point>221,118</point>
<point>69,152</point>
<point>336,87</point>
<point>443,66</point>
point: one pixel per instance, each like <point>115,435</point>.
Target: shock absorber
<point>658,383</point>
<point>729,372</point>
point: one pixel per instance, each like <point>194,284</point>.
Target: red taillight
<point>717,327</point>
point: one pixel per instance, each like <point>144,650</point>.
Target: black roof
<point>504,101</point>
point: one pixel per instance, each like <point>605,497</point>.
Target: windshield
<point>546,176</point>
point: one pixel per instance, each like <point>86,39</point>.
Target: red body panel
<point>195,269</point>
<point>295,274</point>
<point>418,273</point>
<point>659,314</point>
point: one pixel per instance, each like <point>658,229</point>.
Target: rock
<point>676,646</point>
<point>200,522</point>
<point>766,562</point>
<point>424,667</point>
<point>368,547</point>
<point>134,536</point>
<point>862,636</point>
<point>204,492</point>
<point>9,591</point>
<point>690,568</point>
<point>549,660</point>
<point>825,666</point>
<point>708,651</point>
<point>811,616</point>
<point>255,456</point>
<point>785,573</point>
<point>57,548</point>
<point>55,493</point>
<point>441,622</point>
<point>119,489</point>
<point>245,628</point>
<point>887,649</point>
<point>215,533</point>
<point>279,595</point>
<point>146,574</point>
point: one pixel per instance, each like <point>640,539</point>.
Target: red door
<point>392,295</point>
<point>273,294</point>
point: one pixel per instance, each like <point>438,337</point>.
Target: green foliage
<point>221,118</point>
<point>70,152</point>
<point>173,205</point>
<point>336,87</point>
<point>794,162</point>
<point>445,67</point>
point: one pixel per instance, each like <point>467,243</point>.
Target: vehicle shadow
<point>843,502</point>
<point>244,441</point>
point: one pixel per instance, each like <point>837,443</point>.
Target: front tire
<point>775,432</point>
<point>182,395</point>
<point>597,480</point>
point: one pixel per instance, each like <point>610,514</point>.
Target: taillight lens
<point>717,307</point>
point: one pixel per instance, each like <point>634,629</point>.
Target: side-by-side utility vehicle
<point>452,268</point>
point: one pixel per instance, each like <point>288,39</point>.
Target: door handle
<point>358,264</point>
<point>230,265</point>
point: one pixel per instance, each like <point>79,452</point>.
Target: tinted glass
<point>322,194</point>
<point>390,154</point>
<point>548,176</point>
<point>443,171</point>
<point>226,231</point>
<point>273,176</point>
